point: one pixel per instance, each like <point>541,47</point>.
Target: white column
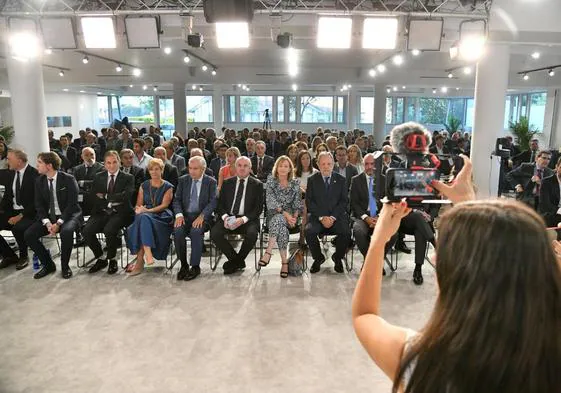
<point>491,83</point>
<point>353,109</point>
<point>380,96</point>
<point>180,109</point>
<point>217,107</point>
<point>555,137</point>
<point>28,107</point>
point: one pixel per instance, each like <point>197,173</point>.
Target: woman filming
<point>496,325</point>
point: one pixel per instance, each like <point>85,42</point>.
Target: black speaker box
<point>228,10</point>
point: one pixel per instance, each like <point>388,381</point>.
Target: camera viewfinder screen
<point>414,183</point>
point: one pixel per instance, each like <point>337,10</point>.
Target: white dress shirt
<point>57,208</point>
<point>242,204</point>
<point>21,173</point>
<point>143,162</point>
<point>367,190</point>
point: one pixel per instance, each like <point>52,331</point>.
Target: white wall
<point>81,107</point>
<point>5,111</point>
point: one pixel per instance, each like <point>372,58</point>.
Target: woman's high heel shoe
<point>284,274</point>
<point>264,263</point>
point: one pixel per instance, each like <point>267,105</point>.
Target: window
<point>399,108</point>
<point>292,109</point>
<point>537,110</point>
<point>252,108</point>
<point>389,110</point>
<point>230,109</point>
<point>280,108</point>
<point>410,114</point>
<point>340,109</point>
<point>103,110</point>
<point>315,109</point>
<point>199,109</point>
<point>470,114</point>
<point>139,109</point>
<point>456,108</point>
<point>523,106</point>
<point>366,105</point>
<point>433,110</point>
<point>167,122</point>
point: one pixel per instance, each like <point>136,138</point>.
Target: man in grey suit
<point>348,171</point>
<point>173,158</point>
<point>193,205</point>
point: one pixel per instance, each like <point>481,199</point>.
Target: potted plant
<point>523,132</point>
<point>454,124</point>
<point>8,133</point>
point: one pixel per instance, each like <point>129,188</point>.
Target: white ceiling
<point>524,25</point>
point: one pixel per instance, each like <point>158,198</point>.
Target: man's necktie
<point>539,173</point>
<point>260,165</point>
<point>326,179</point>
<point>371,198</point>
<point>532,158</point>
<point>194,199</point>
<point>88,168</point>
<point>238,200</point>
<point>52,213</point>
<point>18,189</point>
<point>111,186</point>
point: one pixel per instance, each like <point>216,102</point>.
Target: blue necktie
<point>326,184</point>
<point>371,199</point>
<point>194,200</point>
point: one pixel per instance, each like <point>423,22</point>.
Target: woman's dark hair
<point>299,168</point>
<point>5,152</point>
<point>496,325</point>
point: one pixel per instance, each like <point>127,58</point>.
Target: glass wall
<point>292,109</point>
<point>252,108</point>
<point>199,109</point>
<point>281,100</point>
<point>167,122</point>
<point>103,110</point>
<point>537,110</point>
<point>366,108</point>
<point>314,109</point>
<point>139,109</point>
<point>341,109</point>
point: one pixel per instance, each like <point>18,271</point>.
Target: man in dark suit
<point>196,152</point>
<point>261,163</point>
<point>174,159</point>
<point>526,179</point>
<point>170,172</point>
<point>84,175</point>
<point>549,198</point>
<point>249,148</point>
<point>79,142</point>
<point>127,156</point>
<point>68,154</point>
<point>56,202</point>
<point>17,208</point>
<point>365,207</point>
<point>125,141</point>
<point>527,156</point>
<point>53,143</point>
<point>274,148</point>
<point>110,197</point>
<point>193,205</point>
<point>220,160</point>
<point>327,200</point>
<point>440,149</point>
<point>239,206</point>
<point>348,171</point>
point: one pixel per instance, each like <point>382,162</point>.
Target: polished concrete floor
<point>251,332</point>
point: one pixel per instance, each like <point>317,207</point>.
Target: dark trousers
<point>363,233</point>
<point>109,225</point>
<point>18,230</point>
<point>416,225</point>
<point>37,230</point>
<point>250,230</point>
<point>195,234</point>
<point>314,229</point>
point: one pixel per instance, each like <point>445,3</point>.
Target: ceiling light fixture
<point>526,77</point>
<point>186,59</point>
<point>381,68</point>
<point>395,88</point>
<point>82,91</point>
<point>404,87</point>
<point>48,51</point>
<point>24,46</point>
<point>232,35</point>
<point>64,89</point>
<point>61,73</point>
<point>131,86</point>
<point>119,68</point>
<point>551,72</point>
<point>99,32</point>
<point>204,68</point>
<point>467,70</point>
<point>155,88</point>
<point>213,72</point>
<point>536,55</point>
<point>450,75</point>
<point>379,33</point>
<point>144,87</point>
<point>433,91</point>
<point>85,60</point>
<point>334,33</point>
<point>372,72</point>
<point>194,87</point>
<point>136,72</point>
<point>388,90</point>
<point>415,52</point>
<point>444,89</point>
<point>398,60</point>
<point>167,50</point>
<point>457,89</point>
<point>294,87</point>
<point>201,88</point>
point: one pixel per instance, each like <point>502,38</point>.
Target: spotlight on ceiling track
<point>119,68</point>
<point>131,86</point>
<point>526,77</point>
<point>201,88</point>
<point>388,90</point>
<point>167,50</point>
<point>186,59</point>
<point>48,51</point>
<point>144,87</point>
<point>551,72</point>
<point>450,75</point>
<point>394,88</point>
<point>85,60</point>
<point>294,87</point>
<point>536,55</point>
<point>61,73</point>
<point>284,40</point>
<point>381,68</point>
<point>398,60</point>
<point>444,89</point>
<point>467,70</point>
<point>372,72</point>
<point>415,52</point>
<point>204,68</point>
<point>213,72</point>
<point>433,91</point>
<point>136,72</point>
<point>194,87</point>
<point>155,88</point>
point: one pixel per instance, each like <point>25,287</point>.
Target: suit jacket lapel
<point>188,191</point>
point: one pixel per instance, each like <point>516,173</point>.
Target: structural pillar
<point>217,108</point>
<point>353,109</point>
<point>380,96</point>
<point>491,83</point>
<point>180,109</point>
<point>28,107</point>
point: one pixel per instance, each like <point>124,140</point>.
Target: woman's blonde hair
<point>155,162</point>
<point>277,164</point>
<point>235,151</point>
<point>357,150</point>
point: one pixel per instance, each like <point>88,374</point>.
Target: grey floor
<point>252,332</point>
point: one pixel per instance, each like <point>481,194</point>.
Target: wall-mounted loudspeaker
<point>228,10</point>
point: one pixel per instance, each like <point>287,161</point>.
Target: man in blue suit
<point>193,205</point>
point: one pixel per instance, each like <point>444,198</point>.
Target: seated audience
<point>125,141</point>
<point>80,141</point>
<point>148,145</point>
<point>110,197</point>
<point>84,175</point>
<point>262,164</point>
<point>171,173</point>
<point>527,178</point>
<point>327,200</point>
<point>140,158</point>
<point>58,211</point>
<point>228,170</point>
<point>149,236</point>
<point>127,157</point>
<point>343,167</point>
<point>549,206</point>
<point>292,153</point>
<point>497,274</point>
<point>284,205</point>
<point>193,205</point>
<point>68,154</point>
<point>322,147</point>
<point>17,208</point>
<point>220,159</point>
<point>303,171</point>
<point>198,153</point>
<point>53,143</point>
<point>239,206</point>
<point>249,148</point>
<point>355,158</point>
<point>174,159</point>
<point>527,156</point>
